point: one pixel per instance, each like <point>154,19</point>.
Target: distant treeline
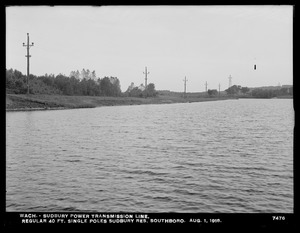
<point>86,83</point>
<point>237,90</point>
<point>77,83</point>
<point>269,93</point>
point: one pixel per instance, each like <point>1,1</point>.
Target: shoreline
<point>22,103</point>
<point>33,109</point>
<point>18,103</point>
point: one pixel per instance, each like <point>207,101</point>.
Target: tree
<point>150,90</point>
<point>93,75</point>
<point>83,74</point>
<point>245,90</point>
<point>130,87</point>
<point>116,87</point>
<point>106,87</point>
<point>77,74</point>
<point>136,92</point>
<point>212,92</point>
<point>16,81</point>
<point>10,79</point>
<point>233,90</point>
<point>83,87</point>
<point>73,74</point>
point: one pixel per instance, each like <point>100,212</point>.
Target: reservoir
<point>230,156</point>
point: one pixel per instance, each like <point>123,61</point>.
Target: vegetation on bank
<point>84,83</point>
<point>79,90</point>
<point>60,84</point>
<point>242,92</point>
<point>84,90</point>
<point>48,102</point>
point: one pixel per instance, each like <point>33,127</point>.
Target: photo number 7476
<point>278,218</point>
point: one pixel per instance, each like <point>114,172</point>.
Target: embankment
<point>16,102</point>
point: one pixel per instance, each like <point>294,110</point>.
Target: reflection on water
<point>220,156</point>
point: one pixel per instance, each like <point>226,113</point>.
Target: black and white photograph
<point>155,109</point>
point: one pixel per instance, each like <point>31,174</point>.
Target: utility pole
<point>184,93</point>
<point>146,73</point>
<point>229,81</point>
<point>219,89</point>
<point>28,56</point>
<point>206,86</point>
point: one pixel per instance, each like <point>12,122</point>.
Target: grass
<point>42,101</point>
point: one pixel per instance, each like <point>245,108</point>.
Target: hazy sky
<point>203,43</point>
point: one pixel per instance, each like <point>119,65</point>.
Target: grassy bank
<point>16,102</point>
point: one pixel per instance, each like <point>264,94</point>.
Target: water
<point>233,156</point>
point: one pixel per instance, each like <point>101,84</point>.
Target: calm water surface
<point>233,156</point>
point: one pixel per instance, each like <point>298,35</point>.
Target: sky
<point>201,43</point>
